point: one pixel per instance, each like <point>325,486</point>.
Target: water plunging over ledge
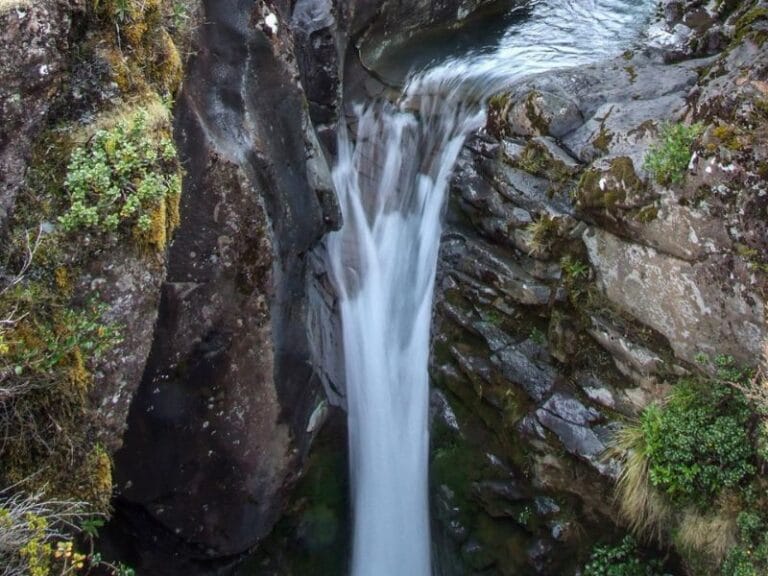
<point>392,181</point>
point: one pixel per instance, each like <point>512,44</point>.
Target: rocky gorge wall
<point>574,289</point>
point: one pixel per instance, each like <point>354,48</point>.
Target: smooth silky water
<point>392,179</point>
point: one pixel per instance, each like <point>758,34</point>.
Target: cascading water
<point>392,183</point>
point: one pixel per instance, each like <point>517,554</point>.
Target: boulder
<point>699,307</point>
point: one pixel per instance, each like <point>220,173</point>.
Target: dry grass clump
<point>713,533</point>
<point>642,506</point>
<point>30,526</point>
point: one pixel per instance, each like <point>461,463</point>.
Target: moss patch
<point>606,189</point>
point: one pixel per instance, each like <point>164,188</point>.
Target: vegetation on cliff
<point>102,176</point>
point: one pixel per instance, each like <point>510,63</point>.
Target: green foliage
<point>624,559</point>
<point>537,336</point>
<point>121,179</point>
<point>698,443</point>
<point>49,345</point>
<point>573,269</point>
<point>668,160</point>
<point>750,556</point>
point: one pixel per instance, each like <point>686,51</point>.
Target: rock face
<point>694,305</point>
<point>223,410</point>
<point>35,41</point>
<point>573,288</point>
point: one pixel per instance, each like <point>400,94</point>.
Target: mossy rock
<point>610,188</point>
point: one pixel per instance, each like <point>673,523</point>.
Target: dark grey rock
<point>476,556</point>
<point>577,439</point>
<point>570,409</point>
<point>229,389</point>
<point>537,379</point>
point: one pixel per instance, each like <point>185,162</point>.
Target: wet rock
<point>440,409</point>
<point>316,32</point>
<point>498,498</point>
<point>528,191</point>
<point>563,338</point>
<point>560,531</point>
<point>541,113</point>
<point>596,390</point>
<point>530,428</point>
<point>685,232</point>
<point>671,43</point>
<point>577,439</point>
<point>540,555</point>
<point>447,512</point>
<point>537,379</point>
<point>545,506</point>
<point>490,268</point>
<point>224,407</point>
<point>476,556</point>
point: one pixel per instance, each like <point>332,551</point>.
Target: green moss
<point>603,140</point>
<point>605,189</point>
<point>498,108</point>
<point>539,123</point>
<point>744,28</point>
<point>730,137</point>
<point>137,36</point>
<point>647,214</point>
<point>632,71</point>
<point>537,160</point>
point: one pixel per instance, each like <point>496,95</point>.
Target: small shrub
<point>49,346</point>
<point>624,559</point>
<point>698,443</point>
<point>668,160</point>
<point>750,556</point>
<point>122,179</point>
<point>33,530</point>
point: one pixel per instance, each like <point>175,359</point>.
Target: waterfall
<point>392,187</point>
<point>391,181</point>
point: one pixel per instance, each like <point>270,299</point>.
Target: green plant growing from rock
<point>698,443</point>
<point>542,233</point>
<point>690,471</point>
<point>667,161</point>
<point>125,178</point>
<point>622,559</point>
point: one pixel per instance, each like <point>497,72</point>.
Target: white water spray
<point>392,184</point>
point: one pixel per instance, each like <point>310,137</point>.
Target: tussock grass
<point>642,506</point>
<point>712,534</point>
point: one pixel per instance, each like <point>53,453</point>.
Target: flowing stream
<point>392,180</point>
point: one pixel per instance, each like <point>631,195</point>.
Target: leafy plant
<point>623,559</point>
<point>668,160</point>
<point>124,178</point>
<point>574,269</point>
<point>698,443</point>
